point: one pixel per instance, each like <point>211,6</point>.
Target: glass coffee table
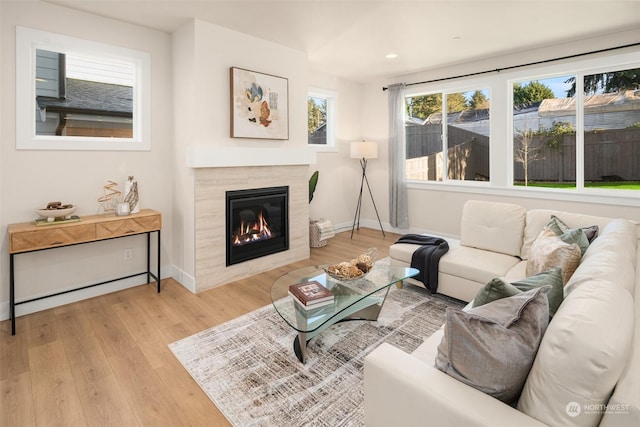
<point>359,299</point>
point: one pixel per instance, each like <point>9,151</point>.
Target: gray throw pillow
<point>498,288</point>
<point>492,347</point>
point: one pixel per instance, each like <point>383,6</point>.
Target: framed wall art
<point>259,105</point>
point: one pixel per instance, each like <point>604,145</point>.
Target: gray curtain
<point>398,206</point>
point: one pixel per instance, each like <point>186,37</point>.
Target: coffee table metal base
<point>366,309</point>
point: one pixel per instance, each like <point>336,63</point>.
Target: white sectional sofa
<point>587,368</point>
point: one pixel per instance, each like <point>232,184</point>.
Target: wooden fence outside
<point>609,155</point>
<point>467,156</point>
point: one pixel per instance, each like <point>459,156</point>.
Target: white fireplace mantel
<point>212,157</point>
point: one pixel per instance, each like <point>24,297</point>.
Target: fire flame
<point>252,231</point>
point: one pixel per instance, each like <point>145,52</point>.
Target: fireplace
<point>257,223</point>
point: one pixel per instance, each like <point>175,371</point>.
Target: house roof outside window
<point>88,97</point>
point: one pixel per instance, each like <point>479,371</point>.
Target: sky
<point>557,85</point>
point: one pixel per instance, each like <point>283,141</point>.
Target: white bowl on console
<point>52,214</point>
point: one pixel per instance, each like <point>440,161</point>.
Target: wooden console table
<point>28,237</point>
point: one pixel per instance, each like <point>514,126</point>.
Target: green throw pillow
<point>580,236</point>
<point>556,225</point>
<point>559,227</point>
<point>577,236</point>
<point>551,277</point>
<point>494,290</point>
<point>498,288</point>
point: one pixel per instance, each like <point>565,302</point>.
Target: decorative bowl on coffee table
<point>355,269</point>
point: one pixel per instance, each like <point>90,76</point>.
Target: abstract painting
<point>259,105</point>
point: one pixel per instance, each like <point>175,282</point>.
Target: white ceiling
<point>351,38</point>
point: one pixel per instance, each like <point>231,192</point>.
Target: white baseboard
<point>369,223</point>
<point>366,223</point>
<point>373,224</point>
<point>185,279</point>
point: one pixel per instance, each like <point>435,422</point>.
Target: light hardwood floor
<point>105,361</point>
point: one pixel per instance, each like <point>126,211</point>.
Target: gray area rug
<point>248,368</point>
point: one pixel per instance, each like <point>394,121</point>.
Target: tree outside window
<point>321,119</point>
<point>545,121</point>
<point>611,131</point>
<point>317,120</point>
<point>542,113</point>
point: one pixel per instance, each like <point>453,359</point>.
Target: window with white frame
<point>79,94</point>
<point>321,109</point>
<point>565,130</point>
<point>458,151</point>
<point>544,120</point>
<point>578,131</point>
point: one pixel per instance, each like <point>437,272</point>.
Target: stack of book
<point>310,294</point>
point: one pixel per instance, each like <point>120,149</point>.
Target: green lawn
<point>625,185</point>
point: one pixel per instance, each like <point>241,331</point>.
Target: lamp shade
<point>364,150</point>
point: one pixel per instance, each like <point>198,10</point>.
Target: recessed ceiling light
<point>391,55</point>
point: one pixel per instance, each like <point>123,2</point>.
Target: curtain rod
<point>497,70</point>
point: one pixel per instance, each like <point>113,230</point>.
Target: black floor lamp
<point>364,150</point>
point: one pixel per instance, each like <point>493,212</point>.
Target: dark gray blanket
<point>427,257</point>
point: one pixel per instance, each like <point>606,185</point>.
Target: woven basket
<point>314,235</point>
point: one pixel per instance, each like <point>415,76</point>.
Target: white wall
<point>437,208</point>
<point>217,49</point>
<point>3,265</point>
<point>362,115</point>
<point>204,53</point>
<point>184,130</point>
<point>339,182</point>
<point>375,125</point>
<point>31,178</point>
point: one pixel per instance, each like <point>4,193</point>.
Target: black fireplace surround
<point>257,223</point>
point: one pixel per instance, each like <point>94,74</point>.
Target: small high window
<point>321,106</point>
<point>75,94</point>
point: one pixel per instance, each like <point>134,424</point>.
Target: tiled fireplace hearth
<point>211,187</point>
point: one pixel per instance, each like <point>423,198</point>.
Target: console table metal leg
<point>158,261</point>
<point>12,297</point>
<point>148,257</point>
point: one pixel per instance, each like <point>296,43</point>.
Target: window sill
<point>323,148</point>
<point>617,198</point>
